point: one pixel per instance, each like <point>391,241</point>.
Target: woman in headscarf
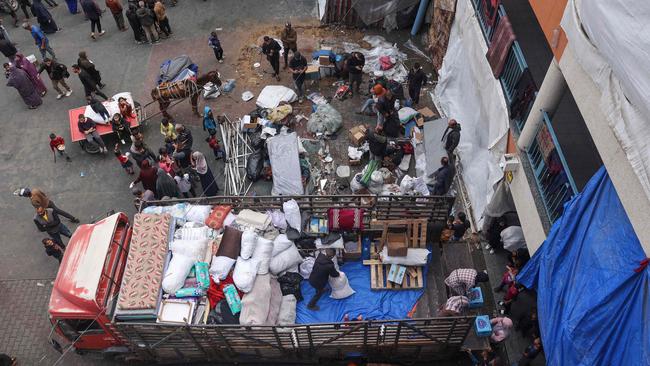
<point>22,62</point>
<point>208,183</point>
<point>148,176</point>
<point>20,80</point>
<point>44,17</point>
<point>166,185</point>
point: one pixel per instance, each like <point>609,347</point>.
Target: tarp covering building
<point>593,299</point>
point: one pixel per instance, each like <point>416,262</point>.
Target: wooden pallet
<point>413,279</point>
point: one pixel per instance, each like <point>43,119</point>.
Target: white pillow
<point>220,267</point>
<point>198,213</point>
<point>192,233</point>
<point>262,253</point>
<point>248,243</point>
<point>340,287</point>
<point>194,249</point>
<point>280,244</point>
<point>285,260</point>
<point>414,257</point>
<point>244,274</point>
<point>177,270</point>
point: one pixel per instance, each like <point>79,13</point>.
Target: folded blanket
<point>254,219</point>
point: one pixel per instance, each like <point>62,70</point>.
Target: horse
<point>167,92</point>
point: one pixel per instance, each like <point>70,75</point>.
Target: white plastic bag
<point>197,213</point>
<point>285,260</point>
<point>337,244</point>
<point>306,267</point>
<point>262,253</point>
<point>292,214</point>
<point>277,219</point>
<point>248,243</point>
<point>220,267</point>
<point>177,270</point>
<point>280,244</point>
<point>340,287</point>
<point>194,249</point>
<point>244,274</point>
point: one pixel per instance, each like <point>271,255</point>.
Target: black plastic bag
<point>255,165</point>
<point>290,284</point>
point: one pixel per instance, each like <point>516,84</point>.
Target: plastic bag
<point>220,267</point>
<point>326,119</point>
<point>285,260</point>
<point>280,244</point>
<point>340,287</point>
<point>211,91</point>
<point>178,269</point>
<point>229,86</point>
<point>306,267</point>
<point>287,315</point>
<point>255,165</point>
<point>292,214</point>
<point>285,162</point>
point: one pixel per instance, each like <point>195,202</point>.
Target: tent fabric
<point>371,304</point>
<point>173,67</point>
<point>615,57</point>
<point>468,92</point>
<point>593,307</point>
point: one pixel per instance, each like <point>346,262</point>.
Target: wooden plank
<point>456,255</point>
<point>379,279</point>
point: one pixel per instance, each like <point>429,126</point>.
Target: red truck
<point>85,292</point>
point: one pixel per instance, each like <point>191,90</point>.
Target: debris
<point>237,148</point>
<point>247,95</point>
<point>230,85</point>
<point>326,120</point>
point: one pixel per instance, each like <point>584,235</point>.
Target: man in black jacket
<point>94,14</point>
<point>452,135</point>
<point>57,73</point>
<point>416,78</point>
<point>271,49</point>
<point>323,269</point>
<point>8,49</point>
<point>46,219</point>
<point>442,178</point>
<point>147,21</point>
<point>355,70</point>
<point>89,83</point>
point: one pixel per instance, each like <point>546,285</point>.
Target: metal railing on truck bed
<point>385,340</point>
<point>433,208</point>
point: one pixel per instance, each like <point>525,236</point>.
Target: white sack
<point>283,154</point>
<point>262,253</point>
<point>244,274</point>
<point>272,95</point>
<point>255,304</point>
<point>287,314</point>
<point>220,267</point>
<point>177,270</point>
<point>280,244</point>
<point>338,244</point>
<point>248,243</point>
<point>285,260</point>
<point>340,287</point>
<point>414,257</point>
<point>194,249</point>
<point>292,214</point>
<point>513,238</point>
<point>197,213</point>
<point>306,267</point>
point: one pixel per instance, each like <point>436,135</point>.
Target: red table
<point>76,135</point>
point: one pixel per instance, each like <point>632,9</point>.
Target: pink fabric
<point>385,63</point>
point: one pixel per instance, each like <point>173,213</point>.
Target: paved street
<point>91,185</point>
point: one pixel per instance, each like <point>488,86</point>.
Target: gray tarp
<point>372,11</point>
<point>169,70</point>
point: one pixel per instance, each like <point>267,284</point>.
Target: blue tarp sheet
<point>593,307</point>
<point>370,304</point>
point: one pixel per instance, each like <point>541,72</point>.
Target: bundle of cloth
<point>112,107</point>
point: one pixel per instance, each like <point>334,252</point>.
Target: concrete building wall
<point>531,223</point>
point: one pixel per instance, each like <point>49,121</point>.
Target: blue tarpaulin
<point>373,305</point>
<point>593,306</point>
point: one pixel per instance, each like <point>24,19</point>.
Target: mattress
<point>145,264</point>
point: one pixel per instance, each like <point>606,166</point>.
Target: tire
<point>88,147</point>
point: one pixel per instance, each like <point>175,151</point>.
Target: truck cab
<point>87,285</point>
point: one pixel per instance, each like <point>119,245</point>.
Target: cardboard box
<point>426,112</point>
<point>475,297</point>
<point>396,274</point>
<point>324,60</point>
<point>397,244</point>
<point>419,121</point>
<point>357,135</point>
<point>248,123</point>
<point>312,72</point>
<point>482,326</point>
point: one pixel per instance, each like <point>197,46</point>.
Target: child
<point>167,129</point>
<point>214,145</point>
<point>507,278</point>
<point>58,144</point>
<point>215,44</point>
<point>209,124</point>
<point>164,161</point>
<point>121,128</point>
<point>169,145</point>
<point>184,185</point>
<point>124,160</point>
<point>54,249</point>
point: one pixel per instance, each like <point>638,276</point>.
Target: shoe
<point>156,41</point>
<point>220,61</point>
<point>67,158</point>
<point>68,93</point>
<point>33,107</point>
<point>122,141</point>
<point>92,35</point>
<point>300,100</point>
<point>74,220</point>
<point>59,96</point>
<point>501,303</point>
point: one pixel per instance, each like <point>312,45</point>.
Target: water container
<point>365,248</point>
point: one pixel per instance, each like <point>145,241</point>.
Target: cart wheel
<point>88,147</point>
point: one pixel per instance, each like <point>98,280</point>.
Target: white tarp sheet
<point>614,53</point>
<point>468,92</point>
<point>285,164</point>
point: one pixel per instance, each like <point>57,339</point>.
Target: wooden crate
<point>413,279</point>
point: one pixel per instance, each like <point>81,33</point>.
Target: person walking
<point>451,137</point>
<point>44,18</point>
<point>215,44</point>
<point>134,22</point>
<point>163,20</point>
<point>47,220</point>
<point>166,185</point>
<point>19,79</point>
<point>57,73</point>
<point>57,145</point>
<point>116,9</point>
<point>88,127</point>
<point>321,272</point>
<point>40,39</point>
<point>90,85</point>
<point>355,70</point>
<point>22,62</point>
<point>94,14</point>
<point>416,80</point>
<point>271,48</point>
<point>8,49</point>
<point>298,66</point>
<point>147,175</point>
<point>289,39</point>
<point>54,249</point>
<point>38,199</point>
<point>147,20</point>
<point>208,183</point>
<point>24,5</point>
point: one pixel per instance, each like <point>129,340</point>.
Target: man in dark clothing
<point>57,73</point>
<point>460,226</point>
<point>116,10</point>
<point>452,135</point>
<point>184,136</point>
<point>134,21</point>
<point>46,219</point>
<point>147,21</point>
<point>8,49</point>
<point>416,78</point>
<point>443,177</point>
<point>378,142</point>
<point>323,269</point>
<point>355,69</point>
<point>89,128</point>
<point>93,13</point>
<point>289,39</point>
<point>88,82</point>
<point>54,249</point>
<point>298,66</point>
<point>271,48</point>
<point>140,152</point>
<point>85,64</point>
